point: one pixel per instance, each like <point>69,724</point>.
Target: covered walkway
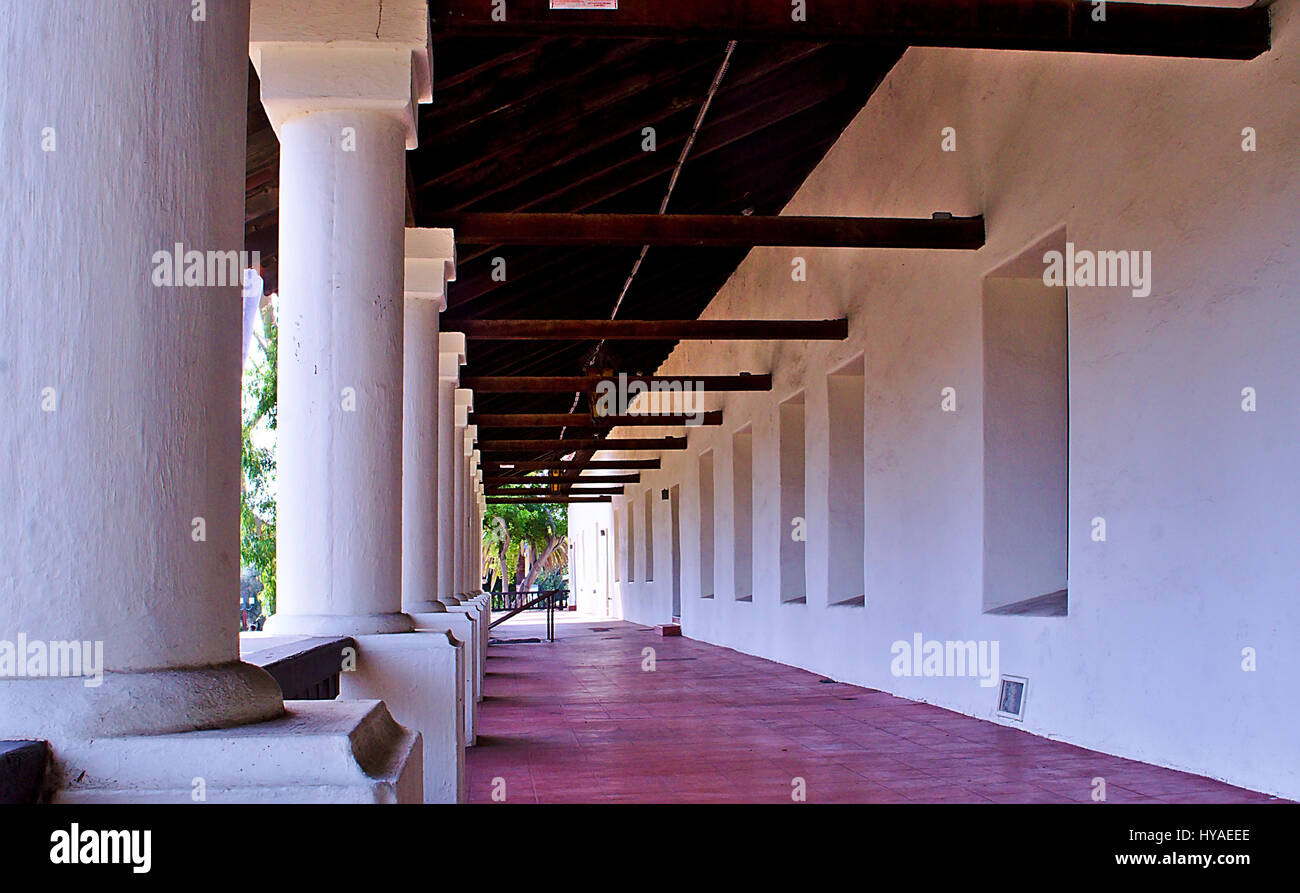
<point>581,721</point>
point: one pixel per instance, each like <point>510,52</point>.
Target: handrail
<point>22,770</point>
<point>307,668</point>
<point>548,596</point>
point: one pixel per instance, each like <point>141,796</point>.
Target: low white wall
<point>1201,500</point>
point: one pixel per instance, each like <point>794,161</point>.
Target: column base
<point>156,702</point>
<point>461,627</point>
<point>317,752</point>
<point>479,655</point>
<point>338,624</point>
<point>418,676</point>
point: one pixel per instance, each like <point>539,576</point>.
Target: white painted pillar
<point>341,96</point>
<point>460,484</point>
<point>451,358</point>
<point>341,83</point>
<point>473,536</point>
<point>430,265</point>
<point>121,423</point>
<point>482,513</point>
<point>454,406</point>
<point>470,546</point>
<point>476,525</point>
<point>120,393</point>
<point>339,463</point>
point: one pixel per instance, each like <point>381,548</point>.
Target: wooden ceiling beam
<point>582,420</point>
<point>716,230</point>
<point>1050,25</point>
<point>499,480</point>
<point>622,444</point>
<point>651,329</point>
<point>560,464</point>
<point>569,384</point>
<point>533,491</point>
<point>554,498</point>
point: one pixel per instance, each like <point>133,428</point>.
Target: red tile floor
<point>578,721</point>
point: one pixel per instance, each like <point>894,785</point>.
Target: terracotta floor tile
<point>579,721</point>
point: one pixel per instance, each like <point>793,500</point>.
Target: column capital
<point>430,265</point>
<point>464,406</point>
<point>364,55</point>
<point>471,435</point>
<point>451,355</point>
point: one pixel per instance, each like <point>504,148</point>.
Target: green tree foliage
<point>257,497</point>
<point>521,542</point>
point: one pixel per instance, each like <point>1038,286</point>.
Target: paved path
<point>579,721</point>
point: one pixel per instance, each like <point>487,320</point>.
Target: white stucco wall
<point>1201,499</point>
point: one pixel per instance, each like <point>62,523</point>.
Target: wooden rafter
<point>712,230</point>
<point>555,498</point>
<point>500,480</point>
<point>569,384</point>
<point>585,422</point>
<point>1056,25</point>
<point>561,465</point>
<point>627,444</point>
<point>530,491</point>
<point>652,329</point>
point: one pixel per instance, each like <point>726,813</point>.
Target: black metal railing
<point>509,601</point>
<point>514,603</point>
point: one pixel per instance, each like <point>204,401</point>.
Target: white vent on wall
<point>1012,694</point>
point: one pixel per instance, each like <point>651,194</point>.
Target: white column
<point>452,535</point>
<point>464,406</point>
<point>339,466</point>
<point>341,83</point>
<point>473,536</point>
<point>430,265</point>
<point>476,524</point>
<point>121,386</point>
<point>121,422</point>
<point>452,531</point>
<point>342,101</point>
<point>482,513</point>
<point>451,358</point>
<point>470,539</point>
